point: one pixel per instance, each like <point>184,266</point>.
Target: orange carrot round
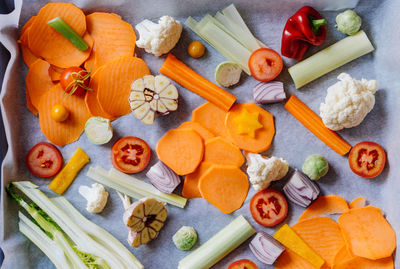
<point>220,151</point>
<point>200,129</point>
<point>191,184</point>
<point>211,117</point>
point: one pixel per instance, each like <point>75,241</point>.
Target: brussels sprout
<point>315,166</point>
<point>98,130</point>
<point>185,238</point>
<point>348,22</point>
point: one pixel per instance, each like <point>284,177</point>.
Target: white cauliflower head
<point>158,38</point>
<point>96,197</point>
<point>347,102</point>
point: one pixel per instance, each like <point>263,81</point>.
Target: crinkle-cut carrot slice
<point>68,131</point>
<point>191,184</point>
<point>263,136</point>
<point>200,129</point>
<point>38,81</point>
<point>55,73</point>
<point>220,151</point>
<point>342,255</point>
<point>27,55</point>
<point>29,105</point>
<point>367,233</point>
<point>113,38</point>
<point>323,235</point>
<point>115,84</point>
<point>290,260</point>
<point>27,25</point>
<point>49,44</point>
<point>211,117</point>
<point>362,263</point>
<point>358,202</point>
<point>325,205</point>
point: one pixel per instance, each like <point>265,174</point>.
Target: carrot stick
<point>188,78</point>
<point>314,123</point>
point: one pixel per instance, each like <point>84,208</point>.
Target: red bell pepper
<point>303,29</point>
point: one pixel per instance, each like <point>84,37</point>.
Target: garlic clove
<point>160,83</point>
<point>171,92</point>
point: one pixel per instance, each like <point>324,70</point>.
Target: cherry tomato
<point>367,159</point>
<point>44,160</point>
<point>268,207</point>
<point>265,64</point>
<point>196,49</point>
<point>59,113</point>
<point>243,264</point>
<point>130,154</point>
<point>75,80</point>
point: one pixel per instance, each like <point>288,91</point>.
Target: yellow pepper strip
<point>62,181</point>
<point>287,237</point>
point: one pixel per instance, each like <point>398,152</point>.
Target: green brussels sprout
<point>315,166</point>
<point>348,22</point>
<point>185,238</point>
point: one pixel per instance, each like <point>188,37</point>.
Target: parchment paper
<point>292,141</point>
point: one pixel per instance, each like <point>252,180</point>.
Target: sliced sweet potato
<point>362,263</point>
<point>191,184</point>
<point>342,255</point>
<point>290,260</point>
<point>115,84</point>
<point>367,233</point>
<point>29,105</point>
<point>211,117</point>
<point>27,55</point>
<point>55,73</point>
<point>200,129</point>
<point>358,202</point>
<point>220,151</point>
<point>27,25</point>
<point>325,205</point>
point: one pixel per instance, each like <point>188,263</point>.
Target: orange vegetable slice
<point>290,260</point>
<point>115,84</point>
<point>211,117</point>
<point>55,73</point>
<point>358,202</point>
<point>191,184</point>
<point>181,150</point>
<point>342,255</point>
<point>225,187</point>
<point>362,263</point>
<point>27,55</point>
<point>29,105</point>
<point>68,131</point>
<point>325,205</point>
<point>200,129</point>
<point>27,25</point>
<point>263,136</point>
<point>220,151</point>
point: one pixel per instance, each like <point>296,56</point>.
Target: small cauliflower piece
<point>262,171</point>
<point>158,38</point>
<point>347,102</point>
<point>185,238</point>
<point>96,197</point>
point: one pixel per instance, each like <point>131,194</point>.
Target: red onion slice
<point>266,248</point>
<point>300,189</point>
<point>269,92</point>
<point>163,178</point>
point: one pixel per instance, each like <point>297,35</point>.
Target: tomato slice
<point>75,80</point>
<point>367,159</point>
<point>44,160</point>
<point>268,207</point>
<point>243,264</point>
<point>265,64</point>
<point>130,154</point>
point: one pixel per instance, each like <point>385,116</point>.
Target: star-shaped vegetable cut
<point>247,123</point>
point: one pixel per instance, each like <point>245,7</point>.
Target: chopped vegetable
<point>358,203</point>
<point>75,80</point>
<point>269,92</point>
<point>348,22</point>
<point>185,238</point>
<point>247,123</point>
<point>55,73</point>
<point>44,160</point>
<point>196,49</point>
<point>325,205</point>
<point>243,264</point>
<point>367,159</point>
<point>27,55</point>
<point>220,151</point>
<point>265,64</point>
<point>300,189</point>
<point>216,123</point>
<point>63,28</point>
<point>218,246</point>
<point>191,184</point>
<point>268,207</point>
<point>315,166</point>
<point>290,260</point>
<point>183,75</point>
<point>227,74</point>
<point>198,128</point>
<point>98,130</point>
<point>342,255</point>
<point>96,197</point>
<point>163,178</point>
<point>314,123</point>
<point>62,181</point>
<point>266,248</point>
<point>330,58</point>
<point>358,262</point>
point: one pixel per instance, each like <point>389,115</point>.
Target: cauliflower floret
<point>262,171</point>
<point>96,197</point>
<point>347,102</point>
<point>159,38</point>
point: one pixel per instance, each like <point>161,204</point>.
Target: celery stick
<point>63,28</point>
<point>218,246</point>
<point>330,58</point>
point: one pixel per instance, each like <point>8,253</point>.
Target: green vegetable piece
<point>185,238</point>
<point>348,22</point>
<point>98,130</point>
<point>227,74</point>
<point>63,28</point>
<point>315,166</point>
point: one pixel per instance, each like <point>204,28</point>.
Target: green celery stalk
<point>63,28</point>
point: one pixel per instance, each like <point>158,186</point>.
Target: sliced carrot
<point>358,202</point>
<point>314,123</point>
<point>115,84</point>
<point>367,233</point>
<point>325,205</point>
<point>181,150</point>
<point>191,184</point>
<point>27,55</point>
<point>113,38</point>
<point>263,136</point>
<point>38,81</point>
<point>27,25</point>
<point>68,131</point>
<point>342,255</point>
<point>220,151</point>
<point>225,187</point>
<point>362,263</point>
<point>55,73</point>
<point>188,78</point>
<point>211,117</point>
<point>29,105</point>
<point>200,129</point>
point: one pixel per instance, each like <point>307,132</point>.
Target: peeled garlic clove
<point>149,118</point>
<point>160,83</point>
<point>171,92</point>
<point>161,107</point>
<point>142,111</point>
<point>138,85</point>
<point>136,104</point>
<point>136,96</point>
<point>149,82</point>
<point>153,105</point>
<point>170,104</point>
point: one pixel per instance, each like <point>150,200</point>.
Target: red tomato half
<point>268,207</point>
<point>74,80</point>
<point>367,159</point>
<point>44,160</point>
<point>265,64</point>
<point>130,154</point>
<point>243,264</point>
